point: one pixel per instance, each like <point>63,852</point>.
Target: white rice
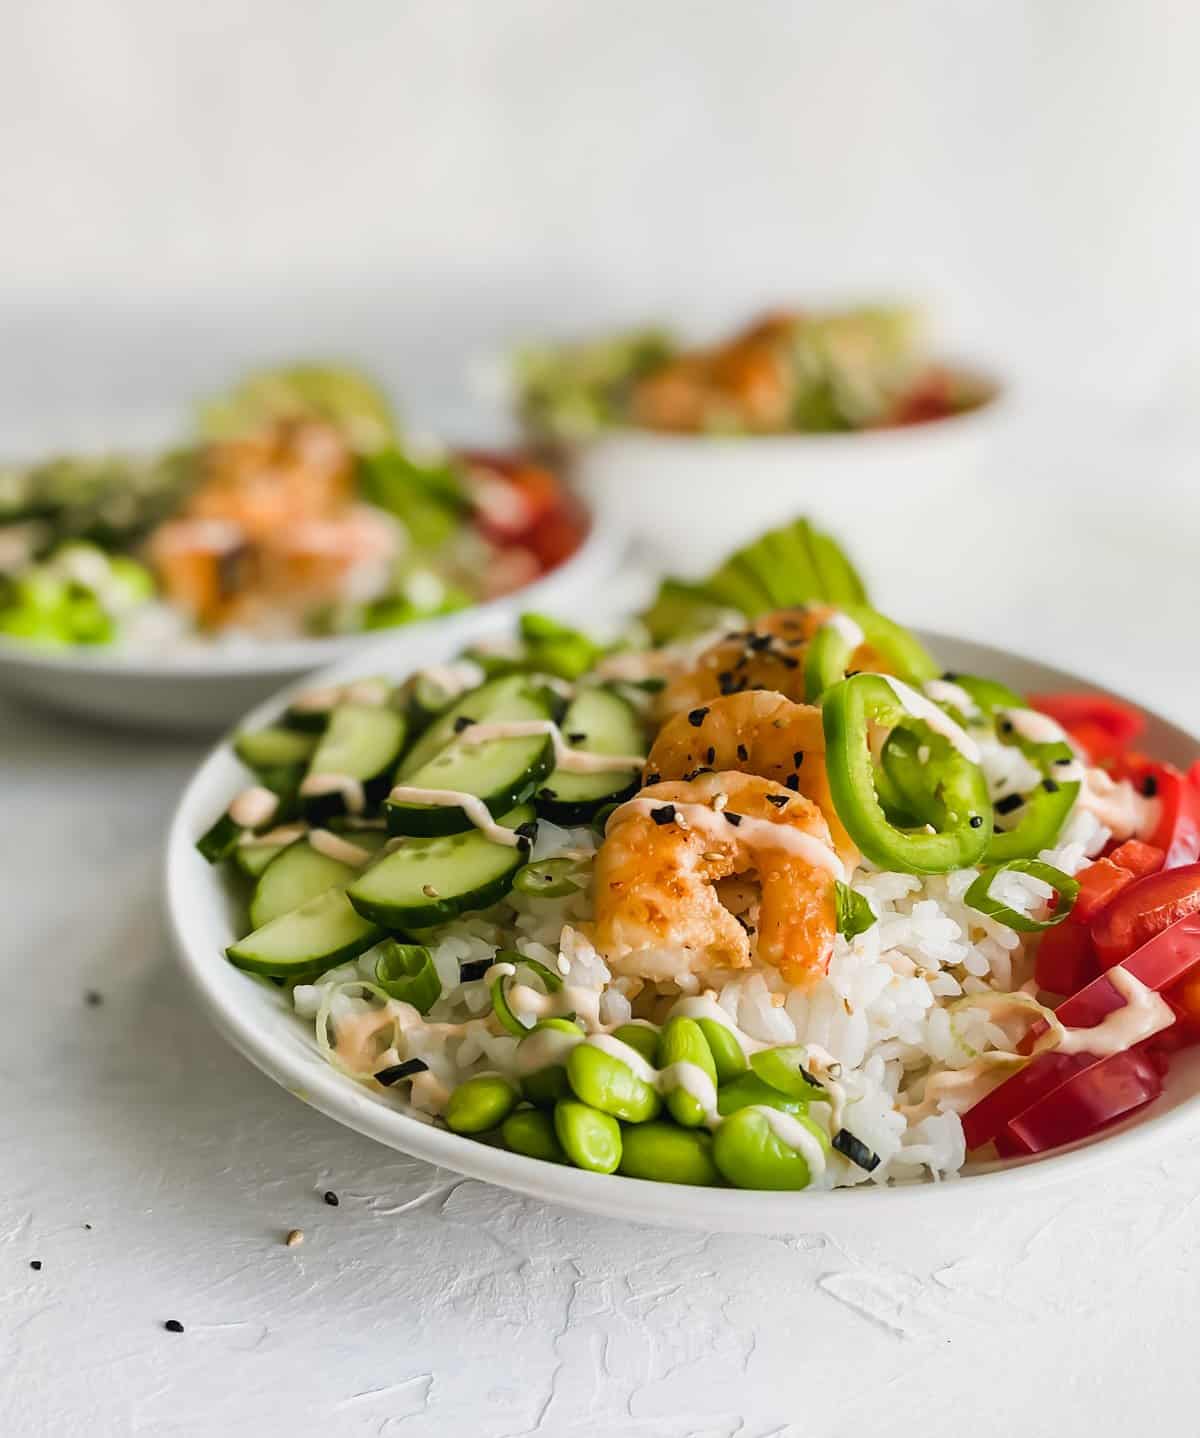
<point>881,1012</point>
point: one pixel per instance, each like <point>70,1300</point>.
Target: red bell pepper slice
<point>1109,1089</point>
<point>1065,959</point>
<point>1145,908</point>
<point>1178,796</point>
<point>1140,859</point>
<point>1157,964</point>
<point>1102,727</point>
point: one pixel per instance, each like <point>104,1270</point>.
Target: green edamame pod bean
<point>545,1086</point>
<point>591,1140</point>
<point>728,1056</point>
<point>783,1068</point>
<point>609,1084</point>
<point>531,1132</point>
<point>749,1090</point>
<point>481,1103</point>
<point>750,1155</point>
<point>667,1154</point>
<point>643,1037</point>
<point>683,1043</point>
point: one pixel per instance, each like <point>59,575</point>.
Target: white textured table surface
<point>153,1174</point>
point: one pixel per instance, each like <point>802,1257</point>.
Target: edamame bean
<point>750,1155</point>
<point>610,1085</point>
<point>783,1068</point>
<point>727,1052</point>
<point>531,1131</point>
<point>592,1140</point>
<point>750,1089</point>
<point>684,1050</point>
<point>668,1154</point>
<point>545,1086</point>
<point>643,1037</point>
<point>481,1103</point>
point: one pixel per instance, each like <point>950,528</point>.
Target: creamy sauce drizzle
<point>471,805</point>
<point>254,807</point>
<point>846,629</point>
<point>1119,806</point>
<point>941,691</point>
<point>1033,726</point>
<point>274,838</point>
<point>937,719</point>
<point>751,833</point>
<point>371,693</point>
<point>453,679</point>
<point>1143,1014</point>
<point>571,761</point>
<point>333,846</point>
<point>349,788</point>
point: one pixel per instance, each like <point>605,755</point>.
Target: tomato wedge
<point>1107,1090</point>
<point>1102,727</point>
<point>1143,909</point>
<point>1157,964</point>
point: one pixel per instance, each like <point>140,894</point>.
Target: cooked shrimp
<point>768,655</point>
<point>757,732</point>
<point>659,914</point>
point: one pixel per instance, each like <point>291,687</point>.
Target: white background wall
<point>188,187</point>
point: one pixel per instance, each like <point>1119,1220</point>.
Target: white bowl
<point>206,687</point>
<point>256,1019</point>
<point>692,499</point>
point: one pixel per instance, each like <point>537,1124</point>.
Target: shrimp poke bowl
<point>296,519</point>
<point>755,894</point>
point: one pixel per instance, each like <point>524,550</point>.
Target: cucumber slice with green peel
<point>294,876</point>
<point>430,881</point>
<point>501,772</point>
<point>274,748</point>
<point>319,934</point>
<point>597,721</point>
<point>511,697</point>
<point>362,742</point>
<point>252,858</point>
<point>220,839</point>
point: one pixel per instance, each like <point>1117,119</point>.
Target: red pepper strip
<point>1065,959</point>
<point>1178,795</point>
<point>1099,884</point>
<point>1108,1090</point>
<point>1102,727</point>
<point>1140,859</point>
<point>1157,964</point>
<point>1145,908</point>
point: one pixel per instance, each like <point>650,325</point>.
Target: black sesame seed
<point>468,973</point>
<point>792,782</point>
<point>798,758</point>
<point>388,1076</point>
<point>527,830</point>
<point>1050,786</point>
<point>1064,761</point>
<point>1006,726</point>
<point>653,778</point>
<point>1008,803</point>
<point>734,819</point>
<point>710,754</point>
<point>789,661</point>
<point>331,1198</point>
<point>855,1150</point>
<point>664,814</point>
<point>696,717</point>
<point>976,821</point>
<point>779,800</point>
<point>546,794</point>
<point>759,642</point>
<point>576,738</point>
<point>1150,786</point>
<point>173,1325</point>
<point>93,998</point>
<point>743,753</point>
<point>36,1264</point>
<point>462,722</point>
<point>950,677</point>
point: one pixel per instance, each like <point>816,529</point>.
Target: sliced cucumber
<point>599,722</point>
<point>293,877</point>
<point>501,772</point>
<point>319,934</point>
<point>506,698</point>
<point>362,742</point>
<point>220,839</point>
<point>429,881</point>
<point>274,748</point>
<point>253,858</point>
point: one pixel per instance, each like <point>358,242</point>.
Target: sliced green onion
<point>549,879</point>
<point>500,1005</point>
<point>854,914</point>
<point>406,972</point>
<point>978,896</point>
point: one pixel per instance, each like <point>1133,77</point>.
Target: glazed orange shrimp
<point>767,655</point>
<point>659,915</point>
<point>758,732</point>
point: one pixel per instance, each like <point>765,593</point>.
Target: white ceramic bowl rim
<point>287,656</point>
<point>190,891</point>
